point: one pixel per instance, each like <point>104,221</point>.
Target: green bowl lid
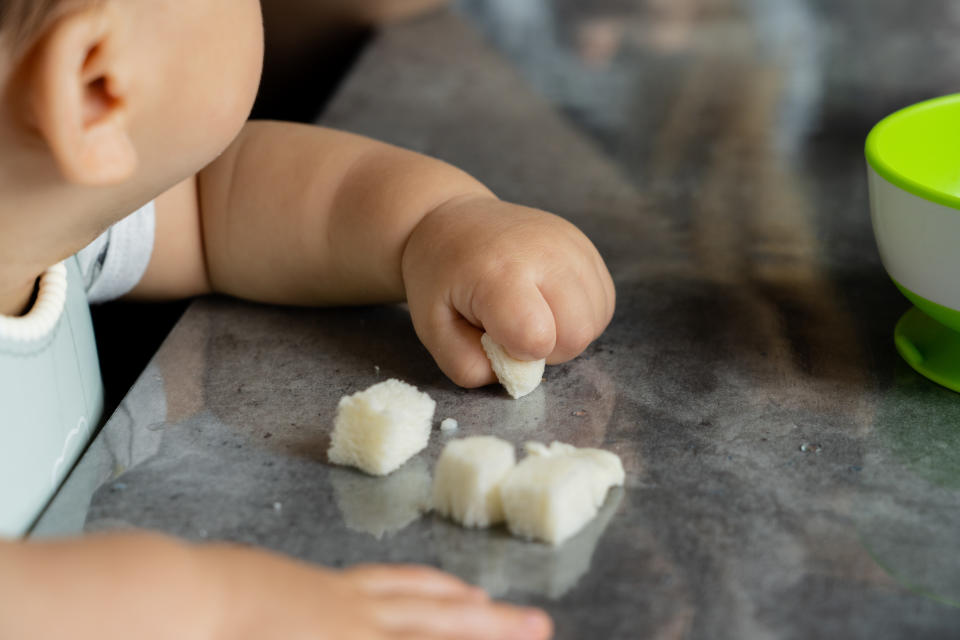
<point>918,149</point>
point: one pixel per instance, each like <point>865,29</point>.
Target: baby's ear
<point>76,85</point>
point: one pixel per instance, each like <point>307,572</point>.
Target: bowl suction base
<point>931,348</point>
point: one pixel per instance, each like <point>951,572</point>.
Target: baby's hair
<point>21,21</point>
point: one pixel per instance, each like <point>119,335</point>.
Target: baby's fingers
<point>580,315</point>
<point>411,580</point>
<point>418,617</point>
<point>454,343</point>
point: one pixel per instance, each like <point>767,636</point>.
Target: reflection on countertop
<point>382,506</point>
<point>502,564</point>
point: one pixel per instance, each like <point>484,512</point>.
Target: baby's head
<point>104,104</point>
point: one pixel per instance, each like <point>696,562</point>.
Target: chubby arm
<point>149,586</point>
<point>104,587</point>
<point>297,214</point>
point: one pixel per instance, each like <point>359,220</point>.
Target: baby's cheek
<point>225,86</point>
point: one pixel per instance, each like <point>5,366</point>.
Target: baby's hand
<point>530,279</point>
<point>264,596</point>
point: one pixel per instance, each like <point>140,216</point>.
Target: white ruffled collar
<point>46,309</point>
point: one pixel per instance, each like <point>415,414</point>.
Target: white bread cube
<point>380,428</point>
<point>553,492</point>
<point>518,377</point>
<point>466,482</point>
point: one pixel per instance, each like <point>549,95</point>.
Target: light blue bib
<point>51,401</point>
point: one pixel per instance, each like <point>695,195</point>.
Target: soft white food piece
<point>518,377</point>
<point>466,481</point>
<point>553,492</point>
<point>449,424</point>
<point>380,428</point>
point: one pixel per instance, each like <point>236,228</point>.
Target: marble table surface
<point>788,476</point>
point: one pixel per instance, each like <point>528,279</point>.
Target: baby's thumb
<point>519,319</point>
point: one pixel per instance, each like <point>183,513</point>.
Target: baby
<point>114,106</point>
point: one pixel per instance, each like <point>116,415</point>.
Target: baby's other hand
<point>530,279</point>
<point>264,596</point>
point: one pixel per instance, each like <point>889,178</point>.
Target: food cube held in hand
<point>553,492</point>
<point>518,377</point>
<point>466,484</point>
<point>380,428</point>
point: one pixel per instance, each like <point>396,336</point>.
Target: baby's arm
<point>148,586</point>
<point>296,214</point>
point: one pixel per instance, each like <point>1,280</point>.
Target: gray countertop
<point>788,476</point>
